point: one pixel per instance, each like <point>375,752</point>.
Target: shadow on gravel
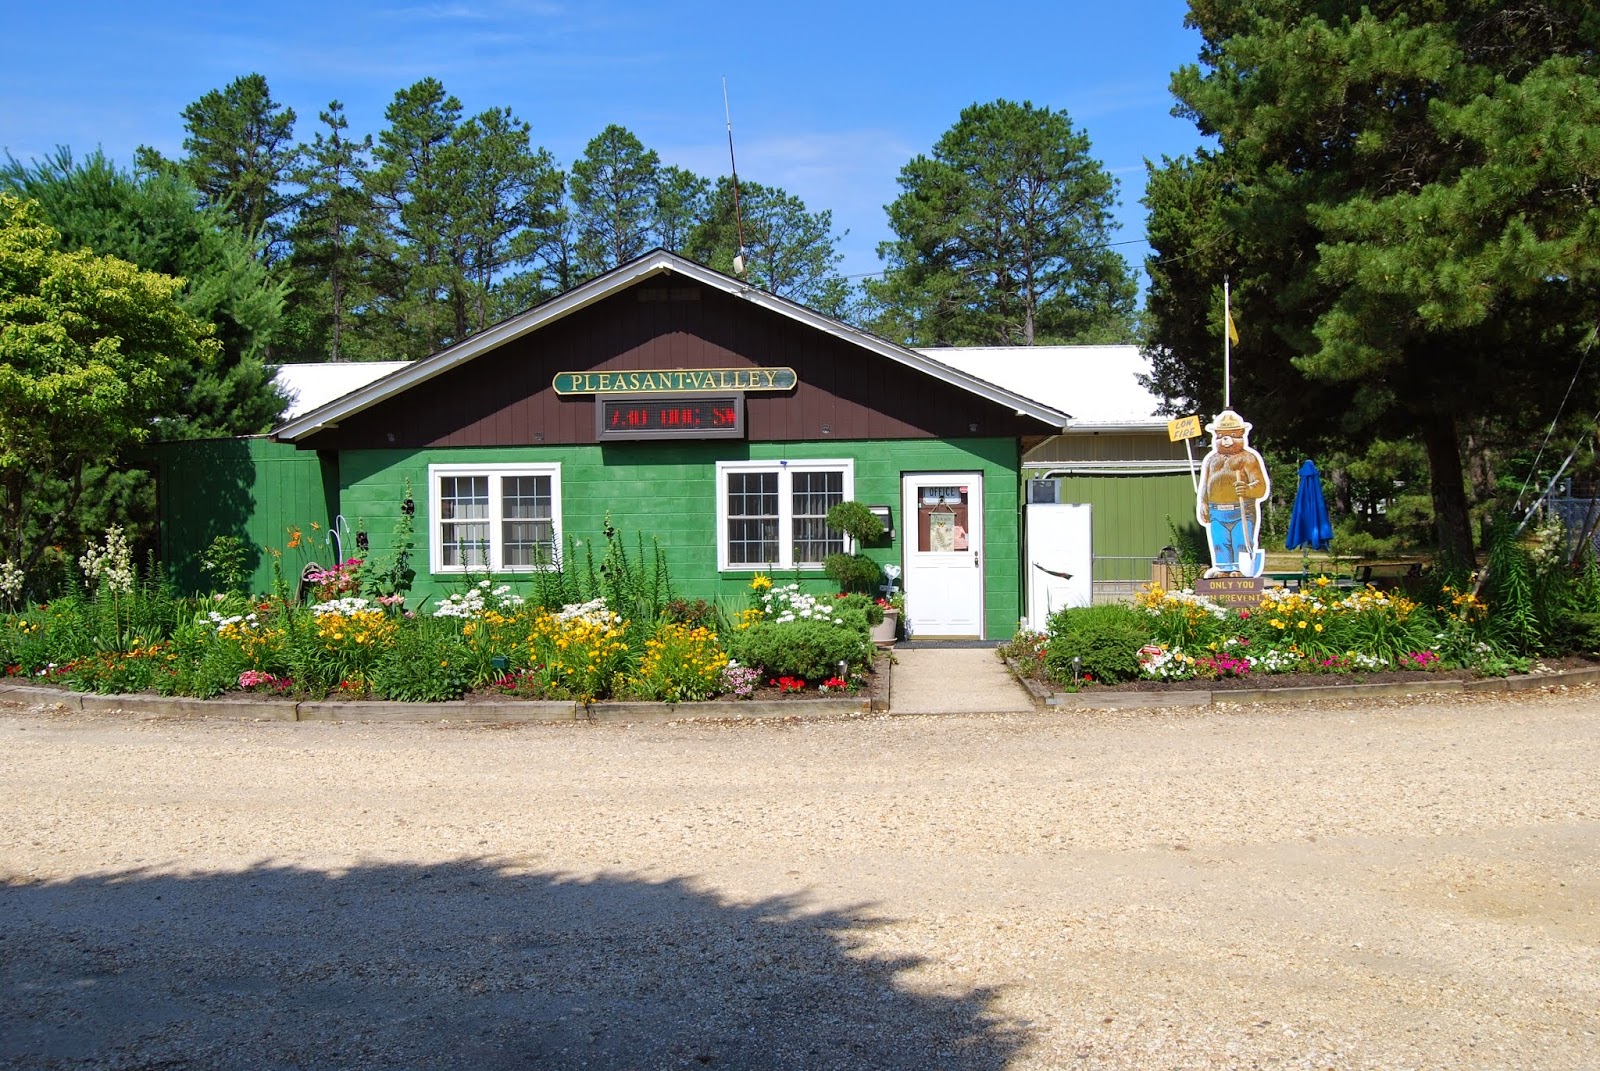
<point>469,964</point>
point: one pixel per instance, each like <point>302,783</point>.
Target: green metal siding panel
<point>1130,514</point>
<point>679,480</point>
<point>253,489</point>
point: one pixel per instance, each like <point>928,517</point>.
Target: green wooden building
<point>663,398</point>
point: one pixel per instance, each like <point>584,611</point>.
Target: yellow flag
<point>1233,330</point>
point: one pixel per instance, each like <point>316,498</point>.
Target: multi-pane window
<point>494,517</point>
<point>772,514</point>
<point>752,518</point>
<point>527,523</point>
<point>815,493</point>
<point>464,521</point>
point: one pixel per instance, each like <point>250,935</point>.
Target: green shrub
<point>202,664</point>
<point>871,612</point>
<point>1106,638</point>
<point>427,664</point>
<point>855,520</point>
<point>1577,630</point>
<point>808,648</point>
<point>852,572</point>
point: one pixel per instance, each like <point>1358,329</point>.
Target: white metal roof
<point>1098,385</point>
<point>311,386</point>
<point>656,262</point>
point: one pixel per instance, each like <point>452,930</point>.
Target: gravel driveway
<point>1394,884</point>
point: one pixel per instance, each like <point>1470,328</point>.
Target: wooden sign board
<point>1231,590</point>
<point>1183,428</point>
<point>675,380</point>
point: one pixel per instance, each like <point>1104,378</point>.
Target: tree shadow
<point>475,963</point>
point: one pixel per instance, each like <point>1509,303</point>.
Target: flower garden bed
<point>1322,640</point>
<point>475,707</point>
<point>555,644</point>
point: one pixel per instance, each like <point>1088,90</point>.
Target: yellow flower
<point>1303,625</point>
<point>1319,626</point>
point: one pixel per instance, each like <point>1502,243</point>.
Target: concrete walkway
<point>954,681</point>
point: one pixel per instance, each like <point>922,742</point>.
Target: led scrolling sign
<point>700,416</point>
<point>680,403</point>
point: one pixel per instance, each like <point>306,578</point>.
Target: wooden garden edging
<point>1098,699</point>
<point>485,712</point>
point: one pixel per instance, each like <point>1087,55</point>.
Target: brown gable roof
<point>653,264</point>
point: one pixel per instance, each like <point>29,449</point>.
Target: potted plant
<point>884,634</point>
<point>854,571</point>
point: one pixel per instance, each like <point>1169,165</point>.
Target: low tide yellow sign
<point>1183,428</point>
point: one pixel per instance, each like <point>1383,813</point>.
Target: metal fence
<point>1580,515</point>
<point>1118,579</point>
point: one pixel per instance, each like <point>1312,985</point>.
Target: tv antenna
<point>738,218</point>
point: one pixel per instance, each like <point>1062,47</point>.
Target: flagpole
<point>1227,355</point>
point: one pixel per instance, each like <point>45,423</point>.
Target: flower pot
<point>883,634</point>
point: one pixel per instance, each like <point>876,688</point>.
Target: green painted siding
<point>1129,518</point>
<point>254,489</point>
<point>667,491</point>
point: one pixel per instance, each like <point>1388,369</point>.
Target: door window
<point>942,519</point>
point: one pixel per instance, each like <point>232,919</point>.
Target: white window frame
<point>784,469</point>
<point>495,471</point>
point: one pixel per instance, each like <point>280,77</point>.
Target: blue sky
<point>829,99</point>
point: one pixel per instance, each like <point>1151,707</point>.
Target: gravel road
<point>1392,884</point>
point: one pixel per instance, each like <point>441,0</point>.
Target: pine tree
<point>1408,198</point>
<point>240,153</point>
<point>682,201</point>
<point>507,189</point>
<point>614,197</point>
<point>1002,237</point>
<point>790,251</point>
<point>330,259</point>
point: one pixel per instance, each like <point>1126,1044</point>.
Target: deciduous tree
<point>87,345</point>
<point>155,222</point>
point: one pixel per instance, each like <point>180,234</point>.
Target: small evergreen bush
<point>1106,638</point>
<point>807,648</point>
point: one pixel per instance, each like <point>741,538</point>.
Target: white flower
<point>346,606</point>
<point>110,566</point>
<point>11,579</point>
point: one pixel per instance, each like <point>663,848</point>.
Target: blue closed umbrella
<point>1309,525</point>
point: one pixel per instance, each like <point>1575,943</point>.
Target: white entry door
<point>943,519</point>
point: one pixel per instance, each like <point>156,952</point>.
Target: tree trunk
<point>1451,521</point>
